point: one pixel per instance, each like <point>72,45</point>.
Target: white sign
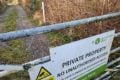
<point>76,60</point>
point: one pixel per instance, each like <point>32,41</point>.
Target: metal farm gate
<point>4,37</point>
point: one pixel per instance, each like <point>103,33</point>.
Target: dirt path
<point>36,45</point>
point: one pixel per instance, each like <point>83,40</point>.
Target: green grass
<point>34,22</point>
<point>57,38</point>
<point>15,51</point>
<point>19,76</point>
<point>10,23</point>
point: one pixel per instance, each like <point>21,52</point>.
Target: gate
<point>8,69</point>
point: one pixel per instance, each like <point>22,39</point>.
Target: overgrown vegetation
<point>57,11</point>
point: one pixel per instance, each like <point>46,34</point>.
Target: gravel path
<point>36,45</point>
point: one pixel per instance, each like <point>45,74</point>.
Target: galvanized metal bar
<point>113,62</point>
<point>39,61</point>
<point>43,29</point>
<point>115,50</point>
<point>102,76</point>
<point>5,73</point>
<point>107,73</point>
<point>11,67</point>
<point>116,60</point>
<point>117,34</point>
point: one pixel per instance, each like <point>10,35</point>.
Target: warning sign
<point>44,73</point>
<point>74,61</point>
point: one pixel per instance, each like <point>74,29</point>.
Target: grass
<point>10,23</point>
<point>57,38</point>
<point>34,22</point>
<point>15,52</point>
<point>20,76</point>
<point>66,10</point>
<point>57,11</point>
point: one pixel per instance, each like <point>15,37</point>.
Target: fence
<point>38,30</point>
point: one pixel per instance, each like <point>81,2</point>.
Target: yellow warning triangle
<point>43,73</point>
